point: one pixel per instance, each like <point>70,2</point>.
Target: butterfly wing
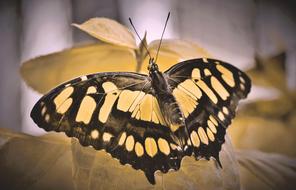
<point>116,112</point>
<point>208,92</point>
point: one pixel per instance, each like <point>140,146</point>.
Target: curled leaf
<point>46,72</point>
<point>108,31</point>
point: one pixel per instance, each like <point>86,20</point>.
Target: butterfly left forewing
<point>80,100</point>
<point>116,112</point>
<point>208,92</point>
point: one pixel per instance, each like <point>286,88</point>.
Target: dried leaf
<point>108,31</point>
<point>46,72</point>
<point>28,162</point>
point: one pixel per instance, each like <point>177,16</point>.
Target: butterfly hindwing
<point>208,92</point>
<point>116,112</point>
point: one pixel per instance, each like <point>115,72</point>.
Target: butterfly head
<point>152,67</point>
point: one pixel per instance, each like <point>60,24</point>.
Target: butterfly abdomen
<point>168,104</point>
<point>174,118</point>
<point>170,109</point>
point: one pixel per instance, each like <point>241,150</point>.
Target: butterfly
<point>149,121</point>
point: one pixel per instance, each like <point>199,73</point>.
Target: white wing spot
<point>207,72</point>
<point>107,137</point>
<point>62,96</point>
<point>130,142</point>
<point>205,60</point>
<point>212,126</point>
<point>139,149</point>
<point>210,135</point>
<point>226,75</point>
<point>221,116</point>
<point>43,110</point>
<point>242,79</point>
<point>112,94</point>
<point>150,146</point>
<point>194,138</point>
<point>91,90</point>
<point>94,134</point>
<point>242,86</point>
<point>219,88</point>
<point>83,78</point>
<point>86,109</point>
<point>65,106</point>
<point>122,138</point>
<point>163,146</point>
<point>213,120</point>
<point>202,135</point>
<point>126,99</point>
<point>225,110</point>
<point>195,74</point>
<point>208,91</point>
<point>47,118</point>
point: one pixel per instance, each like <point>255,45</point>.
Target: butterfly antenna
<point>166,22</point>
<point>139,37</point>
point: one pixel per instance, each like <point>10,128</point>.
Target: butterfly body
<point>167,102</point>
<point>148,121</point>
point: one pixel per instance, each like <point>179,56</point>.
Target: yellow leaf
<point>173,51</point>
<point>202,173</point>
<point>183,49</point>
<point>46,72</point>
<point>45,160</point>
<point>270,72</point>
<point>247,132</point>
<point>108,31</point>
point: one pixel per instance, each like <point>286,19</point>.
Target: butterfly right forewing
<point>208,92</point>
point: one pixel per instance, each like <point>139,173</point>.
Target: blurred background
<point>257,36</point>
<point>234,31</point>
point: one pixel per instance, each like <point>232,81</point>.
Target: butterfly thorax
<point>168,104</point>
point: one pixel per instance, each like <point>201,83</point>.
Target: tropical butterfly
<point>148,121</point>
